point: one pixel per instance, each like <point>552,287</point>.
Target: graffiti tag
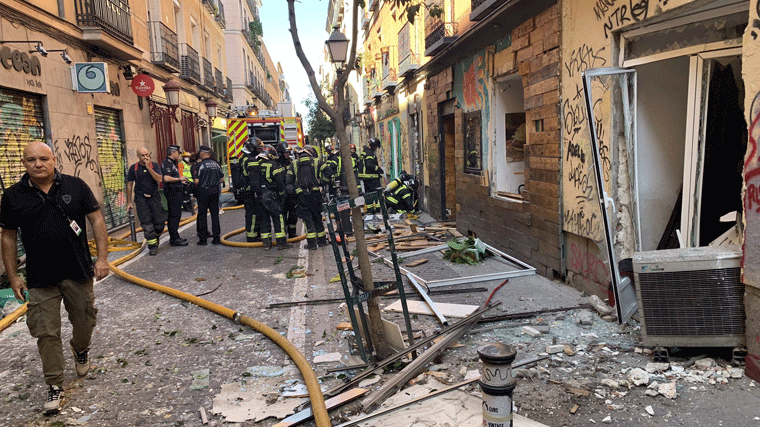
<point>76,151</point>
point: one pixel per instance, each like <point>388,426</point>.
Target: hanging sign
<point>143,85</point>
<point>90,77</point>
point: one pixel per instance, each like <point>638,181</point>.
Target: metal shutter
<point>112,170</point>
<point>21,122</point>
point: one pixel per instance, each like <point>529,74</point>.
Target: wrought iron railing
<point>260,57</point>
<point>163,45</point>
<point>219,79</point>
<point>474,4</point>
<point>228,90</point>
<point>439,31</point>
<point>220,15</point>
<point>113,16</point>
<point>409,63</point>
<point>190,65</point>
<point>208,74</point>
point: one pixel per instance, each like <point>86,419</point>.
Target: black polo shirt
<point>144,182</point>
<point>53,250</point>
<point>169,168</point>
<point>208,174</point>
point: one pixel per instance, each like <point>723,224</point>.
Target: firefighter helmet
<point>309,151</point>
<point>270,151</point>
<point>373,143</point>
<point>352,147</point>
<point>282,148</point>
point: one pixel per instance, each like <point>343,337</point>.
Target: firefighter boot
<point>267,244</point>
<point>292,233</point>
<point>311,244</point>
<point>322,241</point>
<point>282,244</point>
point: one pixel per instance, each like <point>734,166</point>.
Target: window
<point>473,157</point>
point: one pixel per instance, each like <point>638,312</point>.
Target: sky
<point>310,18</point>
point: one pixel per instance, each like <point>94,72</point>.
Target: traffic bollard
<point>497,384</point>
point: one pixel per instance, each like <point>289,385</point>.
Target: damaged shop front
<point>663,112</point>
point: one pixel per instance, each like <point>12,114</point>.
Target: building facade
<point>507,116</point>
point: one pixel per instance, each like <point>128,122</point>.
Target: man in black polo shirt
<point>174,190</point>
<point>144,177</point>
<point>50,209</point>
<point>207,179</point>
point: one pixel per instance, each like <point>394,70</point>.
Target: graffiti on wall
<point>582,215</point>
<point>471,91</point>
<point>615,14</point>
<point>588,263</point>
<point>75,155</point>
<point>17,129</point>
<point>752,192</point>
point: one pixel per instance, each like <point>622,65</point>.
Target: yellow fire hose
<point>318,407</point>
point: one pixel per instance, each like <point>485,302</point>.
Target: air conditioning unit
<point>691,297</point>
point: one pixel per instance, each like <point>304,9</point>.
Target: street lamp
<point>337,45</point>
<point>211,108</point>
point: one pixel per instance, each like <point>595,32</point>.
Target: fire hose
<point>318,407</point>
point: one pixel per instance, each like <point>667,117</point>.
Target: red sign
<point>143,85</point>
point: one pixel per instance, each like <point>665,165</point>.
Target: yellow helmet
<point>185,154</point>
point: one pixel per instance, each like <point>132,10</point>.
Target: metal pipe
<point>428,301</point>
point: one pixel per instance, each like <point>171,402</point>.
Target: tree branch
<point>334,115</point>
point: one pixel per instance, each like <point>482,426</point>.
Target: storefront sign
<point>20,61</point>
<point>143,85</point>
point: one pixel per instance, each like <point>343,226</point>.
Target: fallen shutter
<point>112,170</point>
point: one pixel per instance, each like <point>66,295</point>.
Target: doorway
<point>448,169</point>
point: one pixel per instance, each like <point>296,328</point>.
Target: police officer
<point>305,178</point>
<point>370,171</point>
<point>268,199</point>
<point>249,166</point>
<point>174,189</point>
<point>143,177</point>
<point>207,181</point>
<point>289,201</point>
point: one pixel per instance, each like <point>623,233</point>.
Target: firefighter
<point>289,201</point>
<point>370,171</point>
<point>333,163</point>
<point>174,188</point>
<point>268,198</point>
<point>305,178</point>
<point>184,170</point>
<point>249,170</point>
<point>400,194</point>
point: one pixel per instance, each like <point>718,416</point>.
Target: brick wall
<point>531,230</point>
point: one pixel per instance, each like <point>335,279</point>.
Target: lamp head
<point>337,46</point>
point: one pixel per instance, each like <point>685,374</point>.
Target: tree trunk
<point>377,334</point>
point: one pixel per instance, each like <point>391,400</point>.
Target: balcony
<point>248,38</point>
<point>389,59</point>
<point>365,92</point>
<point>260,57</point>
<point>409,64</point>
<point>190,65</point>
<point>255,86</point>
<point>252,5</point>
<point>373,5</point>
<point>219,80</point>
<point>376,90</point>
<point>208,76</point>
<point>228,90</point>
<point>482,8</point>
<point>164,47</point>
<point>438,36</point>
<point>107,24</point>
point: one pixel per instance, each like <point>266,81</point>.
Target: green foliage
<point>257,31</point>
<point>320,125</point>
<point>469,251</point>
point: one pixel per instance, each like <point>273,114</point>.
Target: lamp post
<point>211,108</point>
<point>337,46</point>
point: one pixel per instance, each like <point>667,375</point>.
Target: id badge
<point>74,226</point>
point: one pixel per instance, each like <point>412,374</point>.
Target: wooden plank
<point>420,307</point>
<point>331,403</point>
<point>416,263</point>
<point>392,332</point>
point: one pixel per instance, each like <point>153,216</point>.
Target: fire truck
<point>268,125</point>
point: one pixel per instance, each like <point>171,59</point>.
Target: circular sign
<point>143,85</point>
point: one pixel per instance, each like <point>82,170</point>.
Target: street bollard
<point>497,384</point>
<point>132,229</point>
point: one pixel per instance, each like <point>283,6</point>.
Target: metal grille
<point>208,74</point>
<point>113,16</point>
<point>693,303</point>
<point>164,46</point>
<point>21,122</point>
<point>112,166</point>
<point>165,137</point>
<point>190,64</point>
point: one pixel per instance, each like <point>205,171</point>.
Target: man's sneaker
<point>81,362</point>
<point>54,401</point>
